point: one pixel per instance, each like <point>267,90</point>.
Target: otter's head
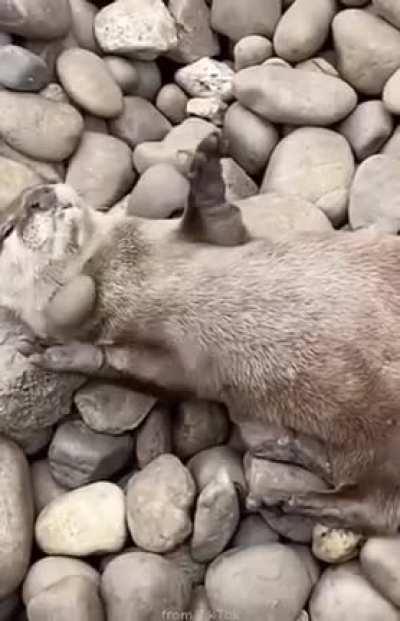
<point>42,235</point>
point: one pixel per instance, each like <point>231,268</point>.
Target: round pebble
<point>198,425</point>
<point>139,121</point>
<point>83,14</point>
<point>335,545</point>
<point>367,128</point>
<point>154,436</point>
<point>21,70</point>
<point>206,78</point>
<point>123,72</point>
<point>251,50</point>
<point>172,101</point>
<point>149,199</point>
<point>89,83</point>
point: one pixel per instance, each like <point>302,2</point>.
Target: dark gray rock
<point>21,70</point>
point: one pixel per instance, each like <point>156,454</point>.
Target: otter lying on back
<point>303,334</point>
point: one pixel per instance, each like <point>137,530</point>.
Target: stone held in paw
<point>283,95</point>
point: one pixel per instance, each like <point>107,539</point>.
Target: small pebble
<point>139,121</point>
<point>123,72</point>
<point>195,37</point>
<point>251,50</point>
<point>172,102</point>
<point>42,19</point>
<point>335,545</point>
<point>211,108</point>
<point>21,70</point>
<point>205,465</point>
<point>154,436</point>
<point>198,425</point>
<point>206,78</point>
<point>83,13</point>
<point>45,487</point>
<point>367,128</point>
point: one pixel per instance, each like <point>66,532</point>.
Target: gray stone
<point>33,442</point>
<point>183,558</point>
<point>236,19</point>
<point>83,13</point>
<point>21,70</point>
<point>284,95</point>
<point>389,10</point>
<point>14,178</point>
<point>367,128</point>
<point>391,93</point>
<point>45,487</point>
<point>42,19</point>
<point>343,591</point>
<point>123,72</point>
<point>149,198</point>
<point>159,499</point>
<point>206,465</point>
<point>45,398</point>
<point>101,170</point>
<point>359,38</point>
<point>296,528</point>
<point>392,146</point>
<point>276,583</point>
<point>172,101</point>
<point>323,178</point>
<point>303,29</point>
<point>139,121</point>
<point>375,192</point>
<point>251,139</point>
<point>275,216</point>
<point>142,29</point>
<point>70,526</point>
<point>154,436</point>
<point>216,518</point>
<point>335,545</point>
<point>253,531</point>
<point>112,409</point>
<point>48,571</point>
<point>380,562</point>
<point>78,455</point>
<point>55,92</point>
<point>159,587</point>
<point>73,597</point>
<point>89,83</point>
<point>195,37</point>
<point>210,108</point>
<point>198,425</point>
<point>149,79</point>
<point>206,78</point>
<point>16,516</point>
<point>94,124</point>
<point>27,121</point>
<point>251,50</point>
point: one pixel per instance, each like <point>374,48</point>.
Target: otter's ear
<point>71,305</point>
<point>208,216</point>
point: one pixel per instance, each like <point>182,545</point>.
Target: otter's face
<point>39,235</point>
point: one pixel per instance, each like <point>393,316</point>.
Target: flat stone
<point>198,425</point>
<point>251,139</point>
<point>89,83</point>
<point>195,37</point>
<point>277,583</point>
<point>303,29</point>
<point>343,590</point>
<point>389,10</point>
<point>101,170</point>
<point>112,409</point>
<point>139,121</point>
<point>367,128</point>
<point>27,121</point>
<point>159,587</point>
<point>159,499</point>
<point>69,526</point>
<point>154,436</point>
<point>172,102</point>
<point>42,19</point>
<point>323,178</point>
<point>21,70</point>
<point>236,19</point>
<point>359,38</point>
<point>335,545</point>
<point>14,178</point>
<point>251,50</point>
<point>142,29</point>
<point>391,93</point>
<point>46,397</point>
<point>48,571</point>
<point>375,192</point>
<point>275,216</point>
<point>207,464</point>
<point>73,597</point>
<point>78,455</point>
<point>149,198</point>
<point>45,487</point>
<point>216,518</point>
<point>206,78</point>
<point>297,528</point>
<point>283,95</point>
<point>16,516</point>
<point>83,13</point>
<point>380,562</point>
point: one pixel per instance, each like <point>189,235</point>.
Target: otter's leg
<point>146,369</point>
<point>208,216</point>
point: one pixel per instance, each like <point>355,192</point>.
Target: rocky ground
<point>112,505</point>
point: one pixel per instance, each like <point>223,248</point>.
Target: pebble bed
<point>113,505</point>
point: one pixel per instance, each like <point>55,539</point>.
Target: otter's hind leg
<point>208,216</point>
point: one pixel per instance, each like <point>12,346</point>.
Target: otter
<point>302,334</point>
